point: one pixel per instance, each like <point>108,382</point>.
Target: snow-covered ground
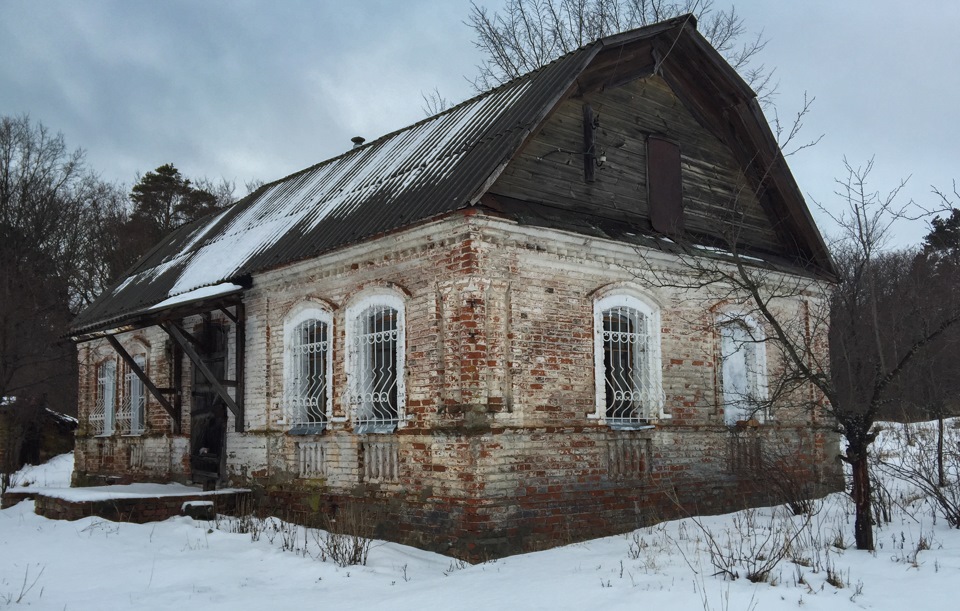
<point>55,473</point>
<point>185,564</point>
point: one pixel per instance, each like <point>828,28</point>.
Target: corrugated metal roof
<point>427,169</point>
<point>433,167</point>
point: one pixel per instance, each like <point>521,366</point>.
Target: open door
<point>208,413</point>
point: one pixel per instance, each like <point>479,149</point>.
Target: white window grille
<point>131,411</point>
<point>138,399</point>
<point>308,371</point>
<point>102,417</point>
<point>743,369</point>
<point>627,358</point>
<point>376,365</point>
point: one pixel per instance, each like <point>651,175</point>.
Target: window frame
<point>759,390</point>
<point>127,414</point>
<point>356,380</point>
<point>103,416</point>
<point>291,326</point>
<point>653,402</point>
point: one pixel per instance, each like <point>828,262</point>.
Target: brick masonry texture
<point>499,450</point>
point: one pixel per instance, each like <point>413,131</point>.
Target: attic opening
<point>664,186</point>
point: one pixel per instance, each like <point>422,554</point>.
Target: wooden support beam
<point>137,371</point>
<point>174,331</point>
<point>177,385</point>
<point>186,334</point>
<point>227,313</point>
<point>589,142</point>
<point>240,327</point>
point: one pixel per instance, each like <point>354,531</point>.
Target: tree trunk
<point>941,476</point>
<point>862,495</point>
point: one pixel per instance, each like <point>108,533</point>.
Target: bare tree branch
<point>527,34</point>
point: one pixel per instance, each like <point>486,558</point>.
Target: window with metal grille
<point>308,371</point>
<point>102,416</point>
<point>627,353</point>
<point>130,412</point>
<point>742,369</point>
<point>376,364</point>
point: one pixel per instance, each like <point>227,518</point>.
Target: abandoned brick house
<point>452,323</point>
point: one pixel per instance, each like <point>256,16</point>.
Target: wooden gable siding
<point>549,170</point>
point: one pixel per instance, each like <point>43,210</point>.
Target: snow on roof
<point>61,416</point>
<point>204,292</point>
<point>421,153</point>
<point>429,168</point>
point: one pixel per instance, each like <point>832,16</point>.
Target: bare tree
<point>891,313</point>
<point>47,201</point>
<point>222,190</point>
<point>883,313</point>
<point>433,102</point>
<point>101,224</point>
<point>528,34</point>
<point>253,184</point>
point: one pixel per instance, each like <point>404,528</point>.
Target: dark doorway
<point>208,414</point>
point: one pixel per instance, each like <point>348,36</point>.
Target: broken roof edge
<point>225,294</point>
<point>649,30</point>
<point>646,31</point>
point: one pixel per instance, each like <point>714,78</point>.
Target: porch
<point>138,503</point>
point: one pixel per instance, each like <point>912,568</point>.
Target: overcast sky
<point>246,89</point>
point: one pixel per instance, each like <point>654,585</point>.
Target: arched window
<point>627,361</point>
<point>375,365</point>
<point>308,371</point>
<point>104,406</point>
<point>130,412</point>
<point>743,369</point>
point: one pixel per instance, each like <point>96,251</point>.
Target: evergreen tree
<point>944,237</point>
<point>164,199</point>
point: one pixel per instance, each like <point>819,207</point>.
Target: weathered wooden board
<point>717,197</point>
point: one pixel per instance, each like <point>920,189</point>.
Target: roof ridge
<point>603,41</point>
<point>471,100</point>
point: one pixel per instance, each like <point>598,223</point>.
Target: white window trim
<point>759,337</point>
<point>301,314</point>
<point>362,303</point>
<point>656,401</point>
<point>130,379</point>
<point>104,421</point>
